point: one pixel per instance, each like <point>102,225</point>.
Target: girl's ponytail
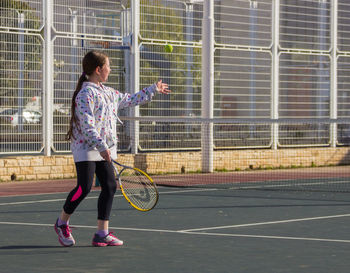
<point>91,61</point>
<point>73,119</point>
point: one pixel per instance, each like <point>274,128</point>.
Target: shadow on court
<point>18,247</point>
<point>190,230</point>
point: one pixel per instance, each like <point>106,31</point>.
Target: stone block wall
<point>62,166</point>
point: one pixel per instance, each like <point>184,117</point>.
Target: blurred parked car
<point>11,116</point>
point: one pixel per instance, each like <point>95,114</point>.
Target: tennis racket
<point>137,187</point>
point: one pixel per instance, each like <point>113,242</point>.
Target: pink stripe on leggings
<point>77,194</point>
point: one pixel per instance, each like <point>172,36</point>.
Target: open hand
<point>163,87</point>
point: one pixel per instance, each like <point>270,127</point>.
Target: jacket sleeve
<point>84,110</point>
<point>139,98</point>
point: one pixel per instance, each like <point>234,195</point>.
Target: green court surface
<point>190,230</point>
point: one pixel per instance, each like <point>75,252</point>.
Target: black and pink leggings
<point>85,173</point>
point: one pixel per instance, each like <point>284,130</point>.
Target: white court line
<point>266,223</point>
<point>92,197</point>
<point>189,190</point>
<point>43,201</point>
<point>285,184</point>
<point>90,227</point>
<point>40,194</point>
<point>193,233</point>
<point>269,237</point>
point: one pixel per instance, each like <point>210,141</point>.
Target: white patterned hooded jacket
<point>96,109</point>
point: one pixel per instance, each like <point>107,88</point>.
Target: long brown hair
<point>91,61</point>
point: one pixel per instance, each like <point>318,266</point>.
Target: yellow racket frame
<point>122,189</point>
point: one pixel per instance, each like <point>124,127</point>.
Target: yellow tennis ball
<point>168,48</point>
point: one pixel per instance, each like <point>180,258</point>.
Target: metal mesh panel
<point>169,136</point>
<point>243,84</point>
<point>343,87</point>
<point>304,93</point>
<point>242,135</point>
<point>171,20</point>
<point>304,86</point>
<point>21,14</point>
<point>241,22</point>
<point>343,134</point>
<point>181,70</point>
<point>343,25</point>
<point>294,135</point>
<point>93,17</point>
<point>343,131</point>
<point>305,24</point>
<point>21,93</point>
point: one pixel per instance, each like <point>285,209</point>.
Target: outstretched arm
<point>142,97</point>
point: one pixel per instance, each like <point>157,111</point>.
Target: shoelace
<point>66,231</point>
<point>110,234</point>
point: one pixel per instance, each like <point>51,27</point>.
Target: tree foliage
<point>10,45</point>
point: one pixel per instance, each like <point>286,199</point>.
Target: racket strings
<point>139,189</point>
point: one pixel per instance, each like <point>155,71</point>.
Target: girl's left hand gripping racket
<point>137,187</point>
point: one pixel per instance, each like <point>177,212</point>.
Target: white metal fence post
<point>21,20</point>
<point>135,72</point>
<point>208,85</point>
<point>75,44</point>
<point>334,74</point>
<point>48,78</point>
<point>189,57</point>
<point>275,71</point>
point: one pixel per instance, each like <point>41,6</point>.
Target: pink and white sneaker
<point>108,240</point>
<point>64,235</point>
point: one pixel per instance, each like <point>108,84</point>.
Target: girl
<point>93,137</point>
